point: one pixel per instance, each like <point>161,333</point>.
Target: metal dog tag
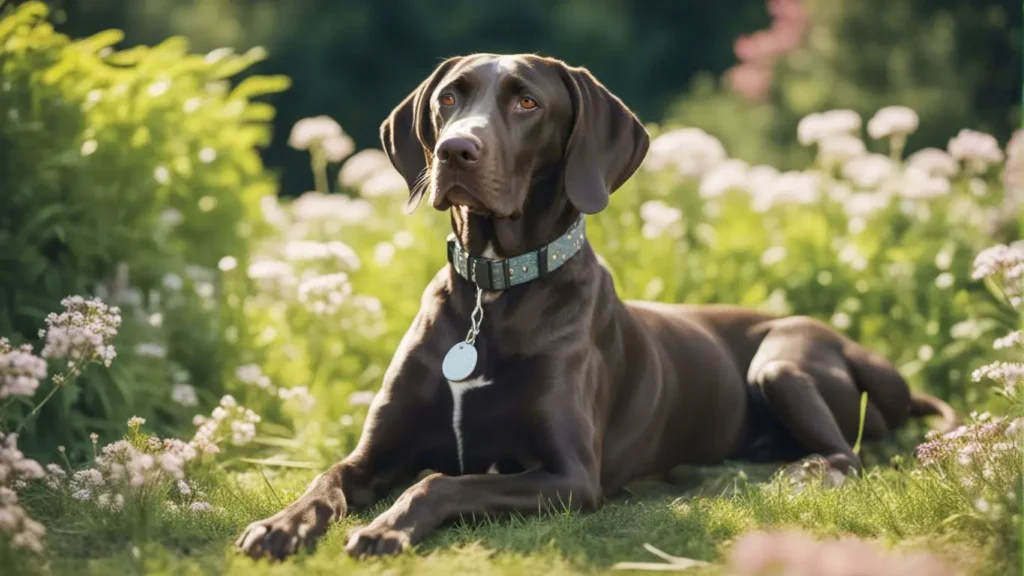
<point>460,362</point>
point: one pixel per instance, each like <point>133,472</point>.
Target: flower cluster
<point>969,442</point>
<point>322,132</point>
<point>797,554</point>
<point>227,421</point>
<point>15,469</point>
<point>82,333</point>
<point>132,469</point>
<point>316,206</point>
<point>1004,265</point>
<point>690,152</point>
<point>1009,375</point>
<point>324,295</point>
<point>976,150</point>
<point>185,395</point>
<point>20,370</point>
<point>335,251</point>
<point>299,397</point>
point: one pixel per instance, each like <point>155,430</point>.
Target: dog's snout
<point>458,150</point>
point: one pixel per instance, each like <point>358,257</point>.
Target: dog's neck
<point>546,216</point>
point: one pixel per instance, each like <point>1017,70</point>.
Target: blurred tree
<point>356,59</point>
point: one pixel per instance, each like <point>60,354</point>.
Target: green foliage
<point>867,54</point>
<point>141,160</point>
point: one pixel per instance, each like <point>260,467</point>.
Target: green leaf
<point>99,41</point>
<point>860,427</point>
<point>260,85</point>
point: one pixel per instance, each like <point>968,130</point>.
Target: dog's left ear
<point>408,134</point>
<point>606,145</point>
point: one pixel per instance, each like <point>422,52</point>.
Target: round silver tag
<point>459,362</point>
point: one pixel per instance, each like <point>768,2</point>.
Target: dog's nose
<point>458,150</point>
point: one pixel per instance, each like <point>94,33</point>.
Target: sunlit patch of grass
<point>699,522</point>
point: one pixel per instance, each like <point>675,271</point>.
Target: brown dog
<point>573,393</point>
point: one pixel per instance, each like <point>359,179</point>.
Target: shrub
<point>126,174</point>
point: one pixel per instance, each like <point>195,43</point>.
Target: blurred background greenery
<point>957,63</point>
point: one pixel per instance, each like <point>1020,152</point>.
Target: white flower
<point>207,155</point>
<point>162,175</point>
<point>998,259</point>
<point>81,334</point>
<point>863,204</point>
<point>314,206</point>
<point>383,183</point>
<point>658,218</point>
<point>299,396</point>
<point>977,149</point>
<point>172,282</point>
<point>841,320</point>
<point>361,398</point>
<point>150,350</point>
<point>136,421</point>
<point>691,152</point>
<point>892,120</point>
<point>944,280</point>
<point>310,131</point>
<point>773,255</point>
<point>729,175</point>
<point>159,88</point>
<point>337,148</point>
<point>813,128</point>
<point>82,494</point>
<point>1010,340</point>
<point>88,147</point>
<point>403,239</point>
<point>918,184</point>
<point>383,253</point>
<point>869,171</point>
<point>200,507</point>
<point>838,148</point>
<point>793,187</point>
<point>325,294</point>
<point>185,395</point>
<point>935,162</point>
<point>20,370</point>
<point>364,165</point>
<point>227,263</point>
<point>306,250</point>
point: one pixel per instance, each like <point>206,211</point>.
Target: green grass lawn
<point>696,516</point>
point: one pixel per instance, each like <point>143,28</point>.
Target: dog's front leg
<point>385,457</point>
<point>439,498</point>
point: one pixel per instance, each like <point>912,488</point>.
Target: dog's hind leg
<point>793,396</point>
<point>802,372</point>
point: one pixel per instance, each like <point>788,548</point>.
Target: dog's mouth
<point>458,195</point>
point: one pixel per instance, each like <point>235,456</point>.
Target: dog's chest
<point>491,423</point>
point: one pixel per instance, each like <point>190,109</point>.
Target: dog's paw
<point>285,533</point>
<point>376,541</point>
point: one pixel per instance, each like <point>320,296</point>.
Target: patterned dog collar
<point>496,274</point>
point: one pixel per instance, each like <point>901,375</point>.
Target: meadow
<point>184,348</point>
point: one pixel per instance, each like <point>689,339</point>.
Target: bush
<point>127,174</point>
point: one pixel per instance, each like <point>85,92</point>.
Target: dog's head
<point>482,129</point>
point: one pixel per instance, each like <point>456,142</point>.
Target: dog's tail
<point>922,404</point>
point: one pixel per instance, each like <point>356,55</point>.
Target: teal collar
<point>496,274</point>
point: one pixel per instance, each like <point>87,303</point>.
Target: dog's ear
<point>606,145</point>
<point>408,135</point>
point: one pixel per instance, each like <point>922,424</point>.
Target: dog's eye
<point>447,99</point>
<point>527,103</point>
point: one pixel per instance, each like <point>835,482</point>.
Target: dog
<point>524,382</point>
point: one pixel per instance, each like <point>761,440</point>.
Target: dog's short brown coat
<point>577,393</point>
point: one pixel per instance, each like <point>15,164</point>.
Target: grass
<point>697,516</point>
